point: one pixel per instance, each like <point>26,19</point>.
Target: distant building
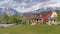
<point>47,17</point>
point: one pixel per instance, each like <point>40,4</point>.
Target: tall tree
<point>15,18</point>
<point>58,17</point>
<point>12,19</point>
<point>5,18</point>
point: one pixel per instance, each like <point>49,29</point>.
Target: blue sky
<point>24,5</point>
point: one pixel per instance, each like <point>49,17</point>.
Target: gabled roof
<point>29,15</point>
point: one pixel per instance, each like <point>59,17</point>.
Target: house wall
<point>54,14</point>
<point>52,19</point>
<point>29,16</point>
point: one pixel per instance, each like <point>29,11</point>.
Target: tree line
<point>5,19</point>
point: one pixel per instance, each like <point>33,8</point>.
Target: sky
<point>28,5</point>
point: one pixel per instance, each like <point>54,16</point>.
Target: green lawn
<point>28,29</point>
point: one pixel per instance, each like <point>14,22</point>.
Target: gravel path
<point>6,25</point>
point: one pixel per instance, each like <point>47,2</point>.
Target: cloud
<point>35,7</point>
<point>1,0</point>
<point>19,1</point>
<point>30,5</point>
<point>54,5</point>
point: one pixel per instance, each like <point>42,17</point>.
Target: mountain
<point>0,11</point>
<point>45,9</point>
<point>12,11</point>
<point>9,11</point>
<point>32,6</point>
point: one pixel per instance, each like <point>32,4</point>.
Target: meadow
<point>29,29</point>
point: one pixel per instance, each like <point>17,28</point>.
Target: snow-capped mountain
<point>21,6</point>
<point>9,11</point>
<point>32,5</point>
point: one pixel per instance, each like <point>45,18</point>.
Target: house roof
<point>29,15</point>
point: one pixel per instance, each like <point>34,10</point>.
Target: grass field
<point>28,29</point>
